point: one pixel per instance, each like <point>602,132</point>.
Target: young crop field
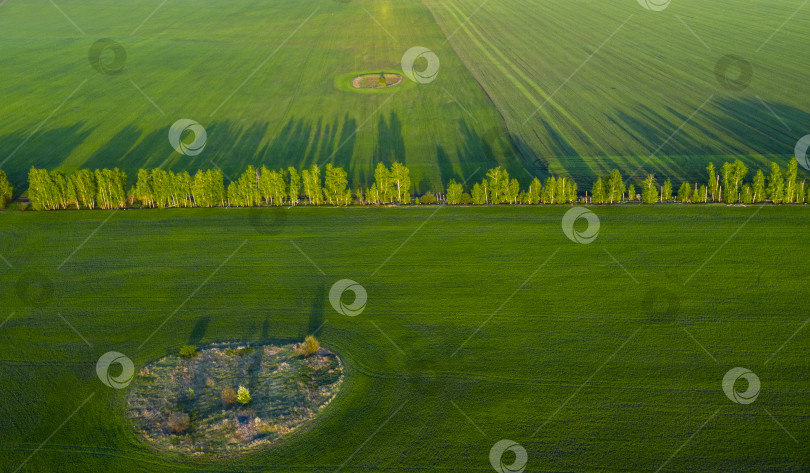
<point>260,76</point>
<point>591,86</point>
<point>389,256</point>
<point>487,324</point>
<point>572,89</point>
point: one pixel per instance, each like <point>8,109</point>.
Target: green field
<point>482,323</point>
<point>616,83</point>
<point>616,384</point>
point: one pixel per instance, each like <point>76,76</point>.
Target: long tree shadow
<point>390,143</point>
<point>46,149</point>
<point>740,128</point>
<point>198,332</point>
<point>316,316</point>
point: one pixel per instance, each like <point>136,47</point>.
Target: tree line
<point>258,186</point>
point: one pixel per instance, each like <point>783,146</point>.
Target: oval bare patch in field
<point>380,80</point>
<point>195,405</point>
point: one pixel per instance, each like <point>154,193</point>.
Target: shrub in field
<point>309,346</point>
<point>243,396</point>
<point>178,422</point>
<point>188,351</point>
<point>427,199</point>
<point>228,396</point>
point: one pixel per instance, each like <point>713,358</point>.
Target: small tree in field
<point>243,395</point>
<point>309,346</point>
<point>666,190</point>
<point>685,192</point>
<point>178,422</point>
<point>228,396</point>
<point>649,192</point>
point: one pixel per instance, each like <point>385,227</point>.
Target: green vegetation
<point>496,70</point>
<point>6,190</point>
<point>585,87</point>
<point>188,351</point>
<point>255,187</point>
<point>297,109</point>
<point>550,337</point>
<point>243,395</point>
<point>601,357</point>
<point>308,347</point>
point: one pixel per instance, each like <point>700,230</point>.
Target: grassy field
<point>264,94</point>
<point>270,83</point>
<point>590,86</point>
<point>576,363</point>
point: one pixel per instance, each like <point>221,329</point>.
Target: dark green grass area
<point>570,346</point>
